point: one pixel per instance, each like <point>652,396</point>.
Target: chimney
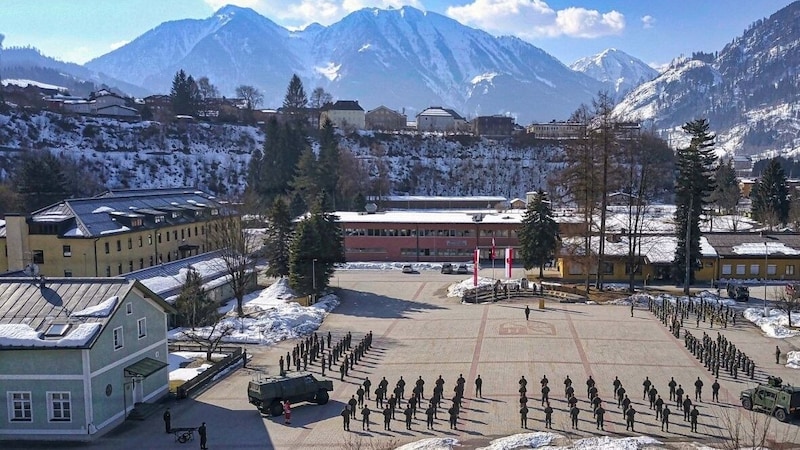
<point>16,241</point>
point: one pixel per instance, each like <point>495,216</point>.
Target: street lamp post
<point>314,279</point>
<point>766,272</point>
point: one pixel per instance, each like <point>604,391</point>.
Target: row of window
<point>772,269</point>
<point>118,335</point>
<point>464,252</point>
<point>185,233</point>
<point>20,406</point>
<point>392,232</point>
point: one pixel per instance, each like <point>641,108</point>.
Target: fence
<point>208,375</point>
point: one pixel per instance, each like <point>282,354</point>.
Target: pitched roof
<point>82,306</point>
<point>345,105</point>
<point>744,245</point>
<point>441,112</point>
<point>97,216</point>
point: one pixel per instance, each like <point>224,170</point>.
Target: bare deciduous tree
<point>209,338</point>
<point>236,246</point>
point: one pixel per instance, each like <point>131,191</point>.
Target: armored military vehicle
<point>268,393</point>
<point>738,292</point>
<point>776,398</point>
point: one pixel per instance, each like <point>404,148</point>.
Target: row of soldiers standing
<point>662,410</point>
<point>674,315</point>
<point>388,406</point>
<point>312,348</point>
<point>719,353</point>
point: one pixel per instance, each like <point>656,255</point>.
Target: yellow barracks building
<point>109,235</point>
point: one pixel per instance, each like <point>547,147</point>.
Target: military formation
<point>313,348</point>
<point>388,402</point>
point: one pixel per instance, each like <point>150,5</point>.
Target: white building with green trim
<point>77,355</point>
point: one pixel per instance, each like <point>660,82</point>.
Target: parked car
<point>462,269</point>
<point>447,268</point>
<point>408,268</point>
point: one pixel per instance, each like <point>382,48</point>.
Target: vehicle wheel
<point>322,397</point>
<point>276,409</point>
<point>780,414</point>
<point>747,403</point>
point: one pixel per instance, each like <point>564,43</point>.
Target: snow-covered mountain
<point>27,63</point>
<point>403,58</point>
<point>619,71</point>
<point>749,91</point>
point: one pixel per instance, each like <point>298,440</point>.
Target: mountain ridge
<point>417,58</point>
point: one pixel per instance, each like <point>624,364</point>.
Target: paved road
<point>420,332</point>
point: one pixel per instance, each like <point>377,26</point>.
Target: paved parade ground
<point>420,332</point>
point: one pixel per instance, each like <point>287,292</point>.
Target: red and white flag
<point>493,249</point>
<point>476,265</point>
<point>509,261</point>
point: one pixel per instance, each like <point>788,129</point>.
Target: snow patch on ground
<point>775,324</point>
<point>270,317</point>
<point>461,288</point>
<point>541,440</point>
<point>522,440</point>
<point>793,360</point>
<point>431,444</point>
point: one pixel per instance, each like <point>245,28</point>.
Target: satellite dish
<point>31,270</point>
<point>371,208</point>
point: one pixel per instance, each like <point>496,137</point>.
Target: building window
<point>158,238</point>
<point>130,243</point>
<point>140,242</point>
<point>119,245</point>
<point>38,256</point>
<point>726,269</point>
<point>19,407</point>
<point>67,250</point>
<point>118,338</point>
<point>119,269</point>
<point>195,230</point>
<point>740,269</point>
<point>167,233</point>
<point>772,269</point>
<point>790,269</point>
<point>183,234</point>
<point>107,248</point>
<point>141,325</point>
<point>608,268</point>
<point>151,261</point>
<point>175,234</point>
<point>59,407</point>
<point>149,239</point>
<point>130,266</point>
<point>141,263</point>
<point>129,308</point>
<point>108,271</point>
<point>67,273</point>
<point>754,269</point>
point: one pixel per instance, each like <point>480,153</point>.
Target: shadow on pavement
<point>363,304</point>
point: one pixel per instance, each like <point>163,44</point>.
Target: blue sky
<point>654,31</point>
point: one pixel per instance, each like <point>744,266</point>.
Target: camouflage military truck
<point>776,398</point>
<point>268,393</point>
<point>738,292</point>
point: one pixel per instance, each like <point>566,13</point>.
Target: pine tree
<point>306,180</point>
<point>195,308</point>
<point>693,184</point>
<point>538,234</point>
<point>770,196</point>
<point>297,206</point>
<point>726,193</point>
<point>328,173</point>
<point>295,100</point>
<point>278,239</point>
<point>317,246</point>
<point>39,179</point>
<point>184,94</point>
